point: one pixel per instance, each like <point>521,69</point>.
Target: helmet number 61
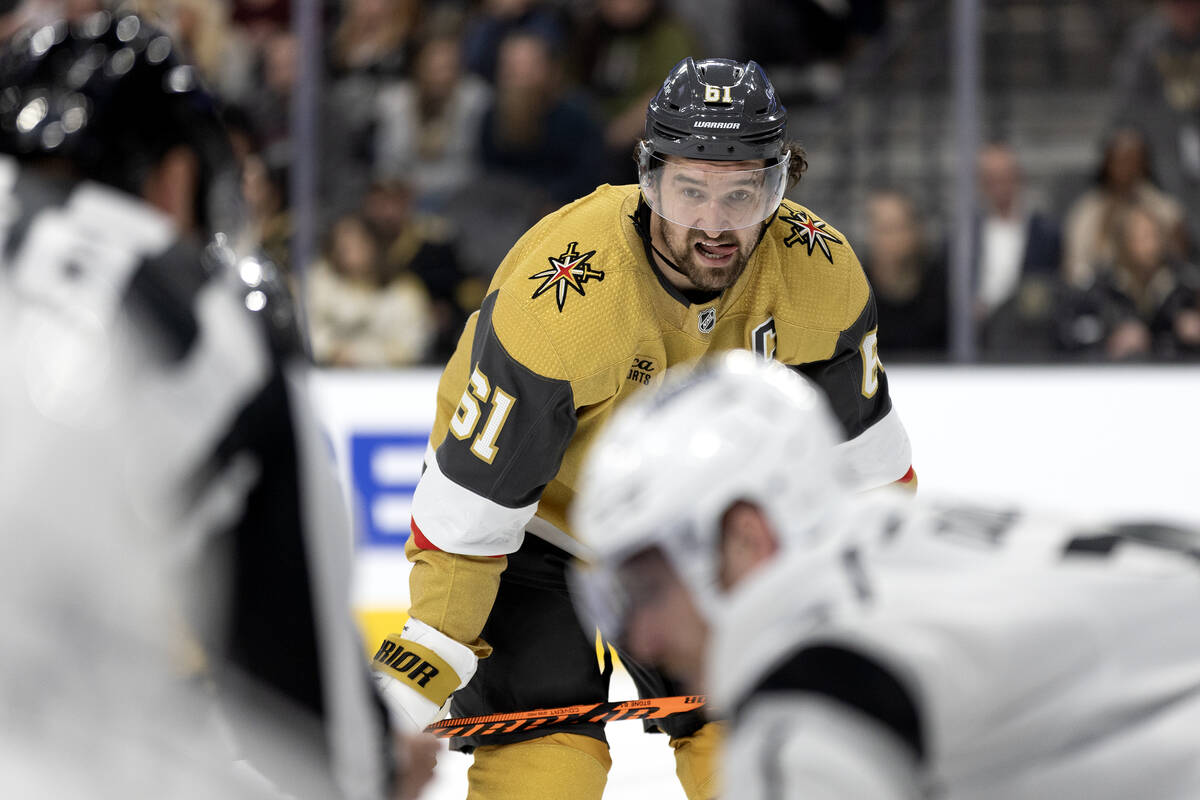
<point>718,94</point>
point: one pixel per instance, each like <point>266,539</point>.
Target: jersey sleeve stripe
<point>455,519</point>
<point>909,481</point>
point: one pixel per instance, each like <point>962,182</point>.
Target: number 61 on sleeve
<point>467,415</point>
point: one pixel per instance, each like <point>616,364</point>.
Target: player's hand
<point>416,756</point>
<point>417,670</point>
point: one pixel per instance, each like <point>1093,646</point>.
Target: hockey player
<point>590,307</point>
<point>168,506</point>
<point>875,646</point>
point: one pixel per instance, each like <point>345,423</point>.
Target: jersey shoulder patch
<point>823,283</point>
<point>569,301</point>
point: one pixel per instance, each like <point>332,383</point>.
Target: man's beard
<point>689,263</point>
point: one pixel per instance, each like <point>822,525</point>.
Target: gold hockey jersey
<point>576,320</point>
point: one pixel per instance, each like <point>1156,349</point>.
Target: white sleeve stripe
<point>456,520</point>
<point>880,454</point>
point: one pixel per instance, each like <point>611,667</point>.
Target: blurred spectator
<point>804,43</point>
<point>1013,241</point>
<point>1146,304</point>
<point>1123,182</point>
<point>261,18</point>
<point>428,128</point>
<point>220,51</point>
<point>492,24</point>
<point>717,25</point>
<point>623,50</point>
<point>371,48</point>
<point>266,190</point>
<point>909,282</point>
<point>1158,91</point>
<point>358,314</point>
<point>422,245</point>
<point>269,102</point>
<point>536,132</point>
<point>243,138</point>
<point>373,37</point>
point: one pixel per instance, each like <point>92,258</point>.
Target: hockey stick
<point>652,708</point>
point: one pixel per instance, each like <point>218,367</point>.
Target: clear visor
<point>707,196</point>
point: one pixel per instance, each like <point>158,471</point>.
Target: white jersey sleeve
<point>1023,646</point>
<point>807,748</point>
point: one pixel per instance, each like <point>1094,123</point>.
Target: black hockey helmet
<point>111,96</point>
<point>716,109</point>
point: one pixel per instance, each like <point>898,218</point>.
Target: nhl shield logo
<point>707,319</point>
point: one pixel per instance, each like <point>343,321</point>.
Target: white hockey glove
<point>417,670</point>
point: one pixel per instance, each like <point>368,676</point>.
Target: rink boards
<point>1119,440</point>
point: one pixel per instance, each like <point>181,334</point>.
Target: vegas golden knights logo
<point>570,270</point>
<point>762,339</point>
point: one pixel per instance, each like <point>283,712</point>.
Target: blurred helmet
<point>669,465</point>
<point>714,110</point>
<point>111,96</point>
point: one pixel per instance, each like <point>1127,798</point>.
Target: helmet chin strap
<point>643,232</point>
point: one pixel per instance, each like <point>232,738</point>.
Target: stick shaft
<point>651,708</point>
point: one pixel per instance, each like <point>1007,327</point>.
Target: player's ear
<point>747,542</point>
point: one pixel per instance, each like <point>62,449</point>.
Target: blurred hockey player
<point>587,310</point>
<point>876,647</point>
<point>173,529</point>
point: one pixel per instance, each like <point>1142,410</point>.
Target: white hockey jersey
<point>958,652</point>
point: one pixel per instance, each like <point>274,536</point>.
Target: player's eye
<point>693,194</point>
<point>740,197</point>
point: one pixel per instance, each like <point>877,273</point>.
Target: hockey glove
<point>417,670</point>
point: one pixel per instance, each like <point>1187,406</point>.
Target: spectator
<point>1158,91</point>
<point>359,315</point>
<point>1146,304</point>
<point>623,50</point>
<point>499,18</point>
<point>806,42</point>
<point>422,245</point>
<point>909,284</point>
<point>1123,182</point>
<point>260,19</point>
<point>717,24</point>
<point>1013,241</point>
<point>374,38</point>
<point>268,105</point>
<point>534,130</point>
<point>428,128</point>
<point>371,48</point>
<point>266,190</point>
<point>222,53</point>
